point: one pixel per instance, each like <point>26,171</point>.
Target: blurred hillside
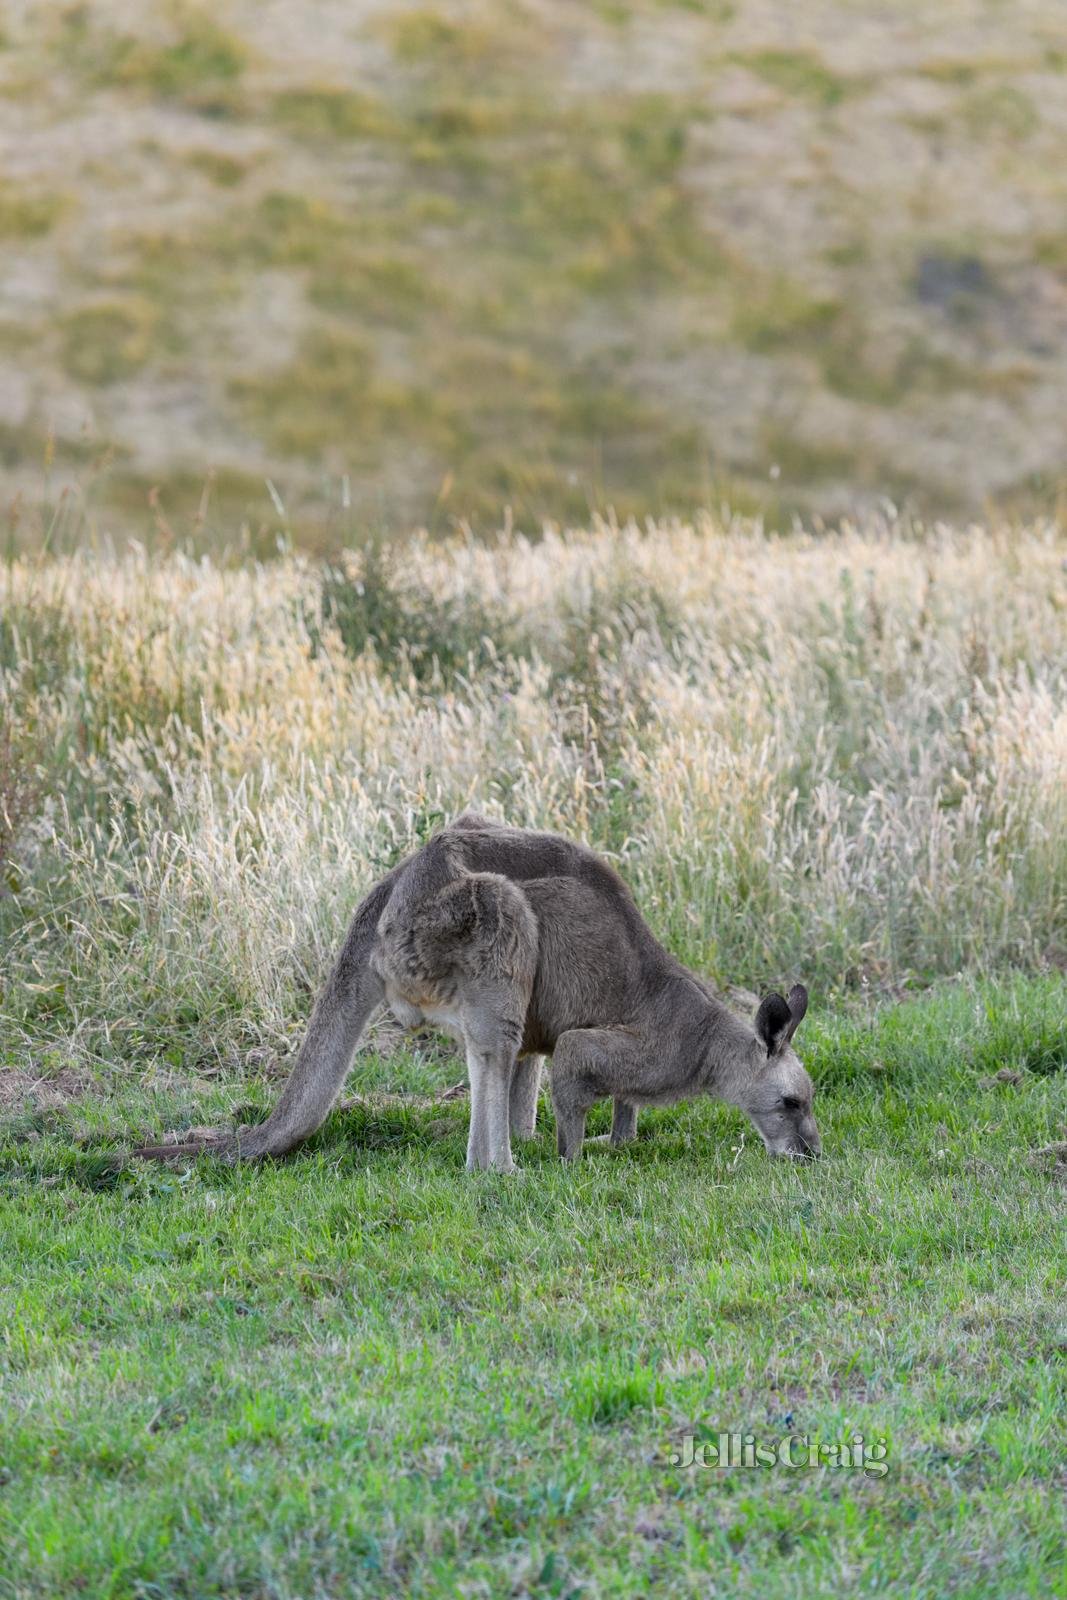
<point>416,262</point>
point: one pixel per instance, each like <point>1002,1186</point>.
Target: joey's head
<point>779,1097</point>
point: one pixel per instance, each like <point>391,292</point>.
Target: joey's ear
<point>773,1022</point>
<point>798,1004</point>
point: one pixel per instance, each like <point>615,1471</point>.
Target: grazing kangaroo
<point>521,945</point>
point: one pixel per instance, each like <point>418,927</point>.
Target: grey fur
<point>521,945</point>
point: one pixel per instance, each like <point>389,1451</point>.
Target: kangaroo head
<point>779,1097</point>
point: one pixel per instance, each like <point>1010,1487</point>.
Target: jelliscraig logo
<point>795,1451</point>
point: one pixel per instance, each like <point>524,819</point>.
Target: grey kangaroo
<point>521,945</point>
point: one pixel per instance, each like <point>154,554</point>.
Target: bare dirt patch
<point>45,1091</point>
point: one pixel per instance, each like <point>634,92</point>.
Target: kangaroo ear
<point>798,1004</point>
<point>773,1021</point>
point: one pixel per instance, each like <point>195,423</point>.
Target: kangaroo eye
<point>790,1102</point>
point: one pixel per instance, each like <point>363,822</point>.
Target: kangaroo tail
<point>341,1013</point>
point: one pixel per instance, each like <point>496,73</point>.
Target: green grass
<point>363,1371</point>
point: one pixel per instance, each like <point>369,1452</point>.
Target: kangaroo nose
<point>807,1149</point>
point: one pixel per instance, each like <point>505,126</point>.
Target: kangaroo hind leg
<point>499,960</point>
<point>492,1029</point>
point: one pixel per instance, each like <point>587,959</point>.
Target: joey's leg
<point>570,1107</point>
<point>623,1122</point>
<point>589,1064</point>
<point>525,1088</point>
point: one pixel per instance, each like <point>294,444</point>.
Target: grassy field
<point>363,1371</point>
<point>838,759</point>
<point>439,258</point>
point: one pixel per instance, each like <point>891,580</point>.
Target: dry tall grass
<point>836,758</point>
